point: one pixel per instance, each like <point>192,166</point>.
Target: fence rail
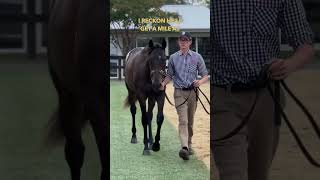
<point>30,17</point>
<point>117,65</point>
<point>23,17</point>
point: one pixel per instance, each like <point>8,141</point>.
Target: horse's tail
<point>126,102</point>
<point>55,134</point>
<point>129,100</point>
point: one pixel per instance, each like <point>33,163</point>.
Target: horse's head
<point>157,63</point>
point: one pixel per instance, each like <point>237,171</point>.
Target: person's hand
<point>162,87</point>
<point>197,83</point>
<point>280,69</point>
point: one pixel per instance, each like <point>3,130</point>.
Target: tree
<point>207,3</point>
<point>175,2</point>
<point>197,2</point>
<point>125,15</point>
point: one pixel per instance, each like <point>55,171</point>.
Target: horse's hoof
<point>146,152</point>
<point>156,146</point>
<point>134,140</point>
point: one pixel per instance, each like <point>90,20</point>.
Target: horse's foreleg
<point>144,120</point>
<point>160,118</point>
<point>151,103</point>
<point>69,113</point>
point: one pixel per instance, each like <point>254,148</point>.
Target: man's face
<point>184,43</point>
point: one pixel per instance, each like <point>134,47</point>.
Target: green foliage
<point>129,11</point>
<point>175,2</point>
<point>125,15</point>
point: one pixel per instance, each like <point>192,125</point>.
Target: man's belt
<point>186,89</point>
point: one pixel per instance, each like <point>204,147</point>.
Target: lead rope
<point>197,98</point>
<point>241,125</point>
<point>164,75</point>
<point>179,104</point>
<point>302,147</point>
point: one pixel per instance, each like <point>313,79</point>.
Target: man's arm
<point>302,56</point>
<point>198,83</point>
<point>297,29</point>
<point>202,72</point>
<point>280,69</point>
<point>166,80</point>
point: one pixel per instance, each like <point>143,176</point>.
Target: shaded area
<point>27,99</point>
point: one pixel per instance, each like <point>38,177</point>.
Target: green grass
<point>127,161</point>
<point>27,99</point>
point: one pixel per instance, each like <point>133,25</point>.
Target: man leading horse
<point>183,68</point>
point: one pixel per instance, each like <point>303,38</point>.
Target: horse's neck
<point>146,72</point>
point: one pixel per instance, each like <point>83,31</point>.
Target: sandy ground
<point>201,134</point>
<point>289,162</point>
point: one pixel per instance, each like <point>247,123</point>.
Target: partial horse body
<point>144,72</point>
<point>77,63</point>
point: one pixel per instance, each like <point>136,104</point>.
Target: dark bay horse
<point>144,71</point>
<point>77,47</point>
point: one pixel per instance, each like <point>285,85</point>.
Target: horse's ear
<point>150,44</point>
<point>164,44</point>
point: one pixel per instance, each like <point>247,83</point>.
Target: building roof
<point>194,17</point>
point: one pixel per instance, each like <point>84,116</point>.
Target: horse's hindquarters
<point>77,59</point>
<point>61,42</point>
<point>92,42</point>
<point>135,69</point>
<point>77,43</point>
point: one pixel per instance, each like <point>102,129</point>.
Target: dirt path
<point>201,137</point>
<point>289,162</point>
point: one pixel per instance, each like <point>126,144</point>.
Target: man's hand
<point>162,87</point>
<point>197,83</point>
<point>164,83</point>
<point>280,69</point>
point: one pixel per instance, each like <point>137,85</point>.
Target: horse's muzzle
<point>156,87</point>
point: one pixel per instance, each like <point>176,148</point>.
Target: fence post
<point>31,28</point>
<point>119,68</point>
